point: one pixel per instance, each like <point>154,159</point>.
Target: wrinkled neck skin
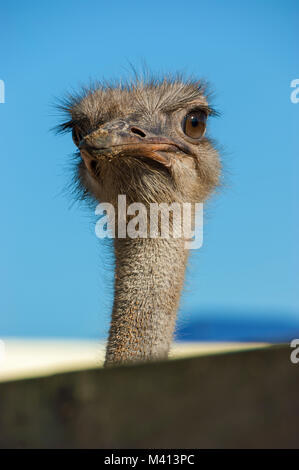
<point>149,272</point>
<point>149,277</point>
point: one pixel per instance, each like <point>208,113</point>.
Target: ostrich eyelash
<point>210,111</point>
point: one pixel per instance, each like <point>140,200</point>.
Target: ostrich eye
<point>77,136</point>
<point>194,124</point>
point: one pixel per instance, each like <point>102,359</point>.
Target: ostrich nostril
<point>135,130</point>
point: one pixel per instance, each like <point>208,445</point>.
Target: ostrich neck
<point>149,275</point>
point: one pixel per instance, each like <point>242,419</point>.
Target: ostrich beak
<point>118,139</point>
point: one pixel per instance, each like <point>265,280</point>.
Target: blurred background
<point>56,276</point>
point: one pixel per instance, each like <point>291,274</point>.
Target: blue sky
<point>55,276</point>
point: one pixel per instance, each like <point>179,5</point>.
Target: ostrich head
<point>146,140</point>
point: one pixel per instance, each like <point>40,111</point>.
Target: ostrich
<point>146,140</point>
